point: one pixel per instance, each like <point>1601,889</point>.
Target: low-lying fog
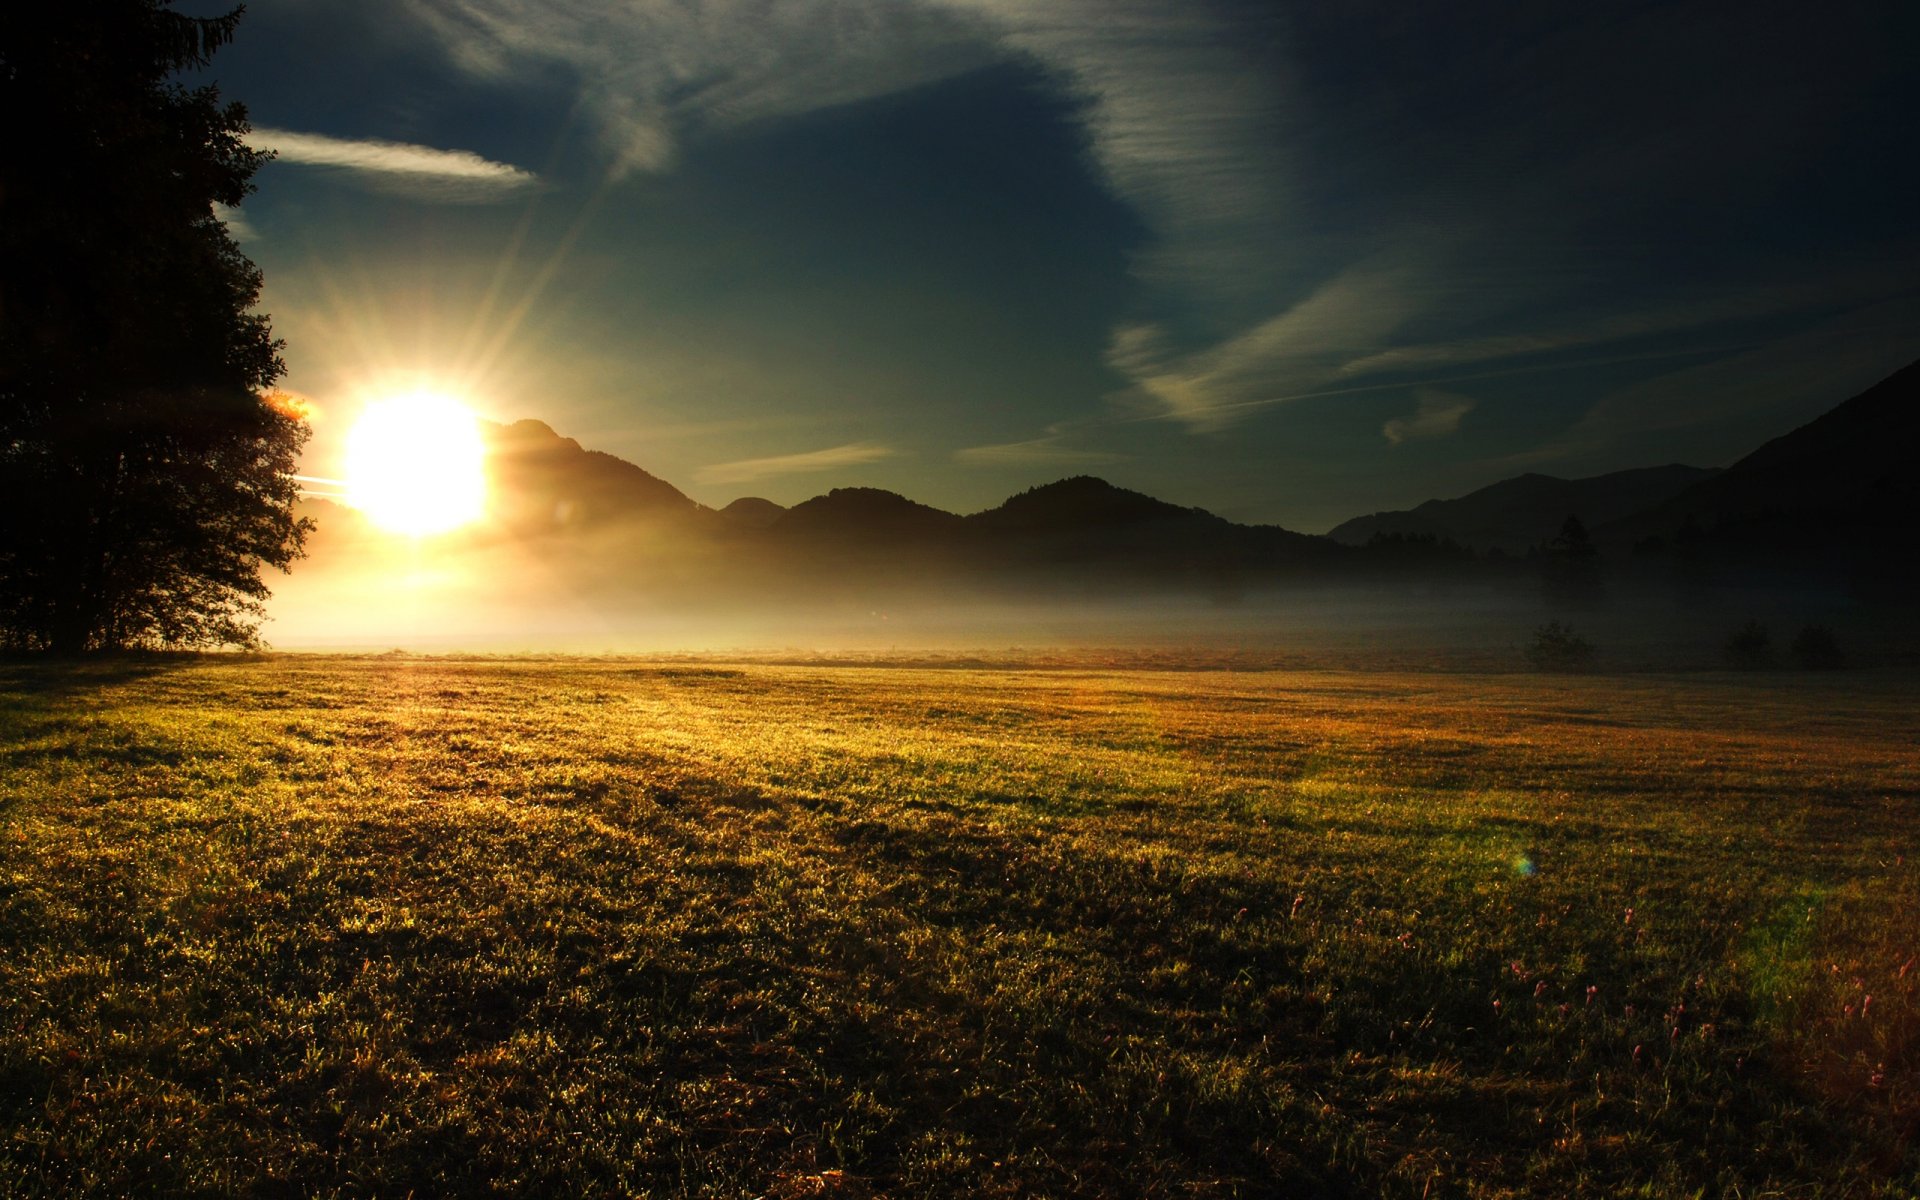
<point>393,594</point>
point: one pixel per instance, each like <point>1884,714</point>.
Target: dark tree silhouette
<point>1570,567</point>
<point>1749,649</point>
<point>144,469</point>
<point>1556,647</point>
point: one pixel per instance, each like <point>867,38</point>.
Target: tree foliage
<point>1570,567</point>
<point>144,469</point>
<point>1556,647</point>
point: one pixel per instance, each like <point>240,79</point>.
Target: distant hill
<point>1852,460</point>
<point>1834,499</point>
<point>1087,523</point>
<point>1084,502</point>
<point>542,481</point>
<point>864,515</point>
<point>1839,494</point>
<point>752,512</point>
<point>1527,510</point>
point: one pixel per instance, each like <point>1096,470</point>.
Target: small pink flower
<point>1540,987</point>
<point>1865,1005</point>
<point>1636,1053</point>
<point>1629,919</point>
<point>1593,989</point>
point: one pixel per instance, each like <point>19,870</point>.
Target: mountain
<point>1853,459</point>
<point>542,481</point>
<point>1527,510</point>
<point>1839,495</point>
<point>752,512</point>
<point>1089,524</point>
<point>1084,502</point>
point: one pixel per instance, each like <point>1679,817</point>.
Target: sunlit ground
<point>292,925</point>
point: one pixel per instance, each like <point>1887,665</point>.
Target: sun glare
<point>415,464</point>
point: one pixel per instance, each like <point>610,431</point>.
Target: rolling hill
<point>1526,510</point>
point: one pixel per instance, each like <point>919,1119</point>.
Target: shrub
<point>1749,649</point>
<point>1814,649</point>
<point>1557,647</point>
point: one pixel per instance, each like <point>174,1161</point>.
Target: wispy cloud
<point>1438,415</point>
<point>651,75</point>
<point>1295,351</point>
<point>749,469</point>
<point>1187,125</point>
<point>1807,371</point>
<point>1050,450</point>
<point>459,176</point>
<point>236,222</point>
<point>1799,291</point>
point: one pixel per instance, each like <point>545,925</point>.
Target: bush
<point>1749,649</point>
<point>1557,647</point>
<point>1814,649</point>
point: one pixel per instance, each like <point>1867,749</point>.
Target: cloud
<point>749,469</point>
<point>236,222</point>
<point>650,75</point>
<point>1798,292</point>
<point>1438,415</point>
<point>1187,125</point>
<point>1184,122</point>
<point>1802,374</point>
<point>459,176</point>
<point>1035,452</point>
<point>1297,350</point>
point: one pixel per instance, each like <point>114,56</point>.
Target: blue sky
<point>1291,262</point>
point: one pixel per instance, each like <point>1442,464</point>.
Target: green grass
<point>380,926</point>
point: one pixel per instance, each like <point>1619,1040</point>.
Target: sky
<point>1291,261</point>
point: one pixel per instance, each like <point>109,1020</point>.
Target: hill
<point>542,481</point>
<point>1526,510</point>
<point>1838,495</point>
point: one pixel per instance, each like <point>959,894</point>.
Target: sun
<point>416,464</point>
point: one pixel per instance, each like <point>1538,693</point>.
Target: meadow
<point>389,925</point>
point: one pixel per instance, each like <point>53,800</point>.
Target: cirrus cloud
<point>748,469</point>
<point>1438,415</point>
<point>425,172</point>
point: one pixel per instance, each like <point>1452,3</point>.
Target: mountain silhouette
<point>1836,497</point>
<point>753,512</point>
<point>1853,460</point>
<point>542,481</point>
<point>1515,514</point>
<point>865,515</point>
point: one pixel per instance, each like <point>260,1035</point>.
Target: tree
<point>1750,648</point>
<point>1570,567</point>
<point>145,469</point>
<point>1557,647</point>
<point>1816,649</point>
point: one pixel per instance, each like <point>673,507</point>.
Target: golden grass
<point>356,926</point>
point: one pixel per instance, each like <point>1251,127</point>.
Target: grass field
<point>380,926</point>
